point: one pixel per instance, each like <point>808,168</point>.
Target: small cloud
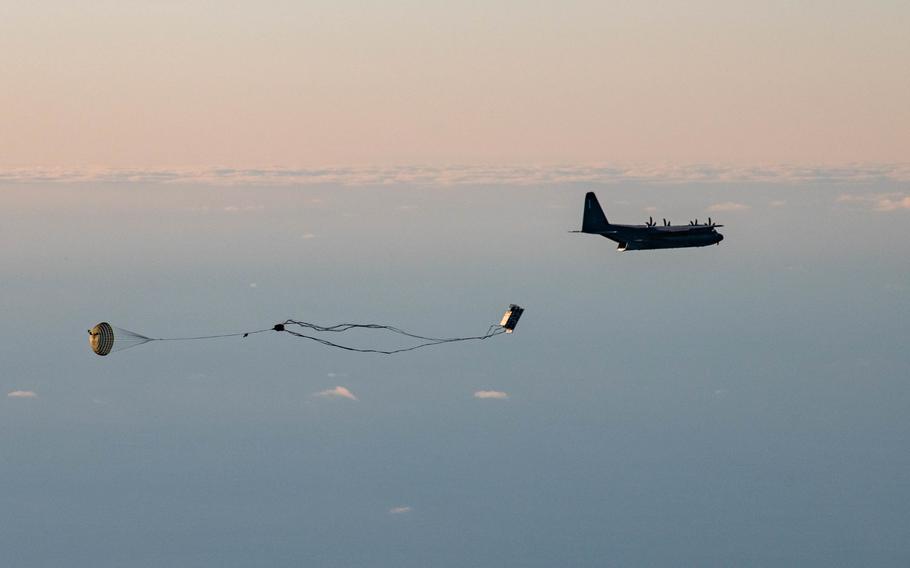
<point>337,392</point>
<point>21,394</point>
<point>243,208</point>
<point>253,285</point>
<point>728,206</point>
<point>499,395</point>
<point>400,510</point>
<point>307,236</point>
<point>878,201</point>
<point>651,209</point>
<point>778,203</point>
<point>892,204</point>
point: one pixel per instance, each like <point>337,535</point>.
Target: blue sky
<point>743,404</point>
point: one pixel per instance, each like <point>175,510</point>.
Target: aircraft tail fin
<point>594,220</point>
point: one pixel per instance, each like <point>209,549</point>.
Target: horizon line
<point>461,174</point>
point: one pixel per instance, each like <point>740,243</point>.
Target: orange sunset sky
<point>117,84</point>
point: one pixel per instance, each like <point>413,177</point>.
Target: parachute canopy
<point>105,338</point>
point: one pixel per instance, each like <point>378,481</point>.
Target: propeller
<point>651,222</point>
<point>666,224</point>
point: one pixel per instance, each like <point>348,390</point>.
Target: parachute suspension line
<point>342,327</point>
<point>491,332</point>
<point>125,339</point>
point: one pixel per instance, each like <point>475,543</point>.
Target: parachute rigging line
<point>105,338</point>
<point>492,331</point>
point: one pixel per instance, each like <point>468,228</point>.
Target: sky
<point>194,168</point>
<point>306,84</point>
<point>742,404</point>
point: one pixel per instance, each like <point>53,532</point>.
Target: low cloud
<point>400,510</point>
<point>307,236</point>
<point>498,395</point>
<point>892,204</point>
<point>877,201</point>
<point>778,203</point>
<point>243,208</point>
<point>728,206</point>
<point>337,392</point>
<point>21,394</point>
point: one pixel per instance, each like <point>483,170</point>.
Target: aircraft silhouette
<point>647,236</point>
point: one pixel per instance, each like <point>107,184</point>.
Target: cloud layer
<point>461,175</point>
<point>337,392</point>
<point>400,510</point>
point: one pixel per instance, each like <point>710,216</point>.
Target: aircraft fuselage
<point>643,237</point>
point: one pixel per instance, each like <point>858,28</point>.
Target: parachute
<point>105,338</point>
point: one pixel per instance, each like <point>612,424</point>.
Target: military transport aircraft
<point>649,235</point>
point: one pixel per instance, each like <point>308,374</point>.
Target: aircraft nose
<point>719,237</point>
